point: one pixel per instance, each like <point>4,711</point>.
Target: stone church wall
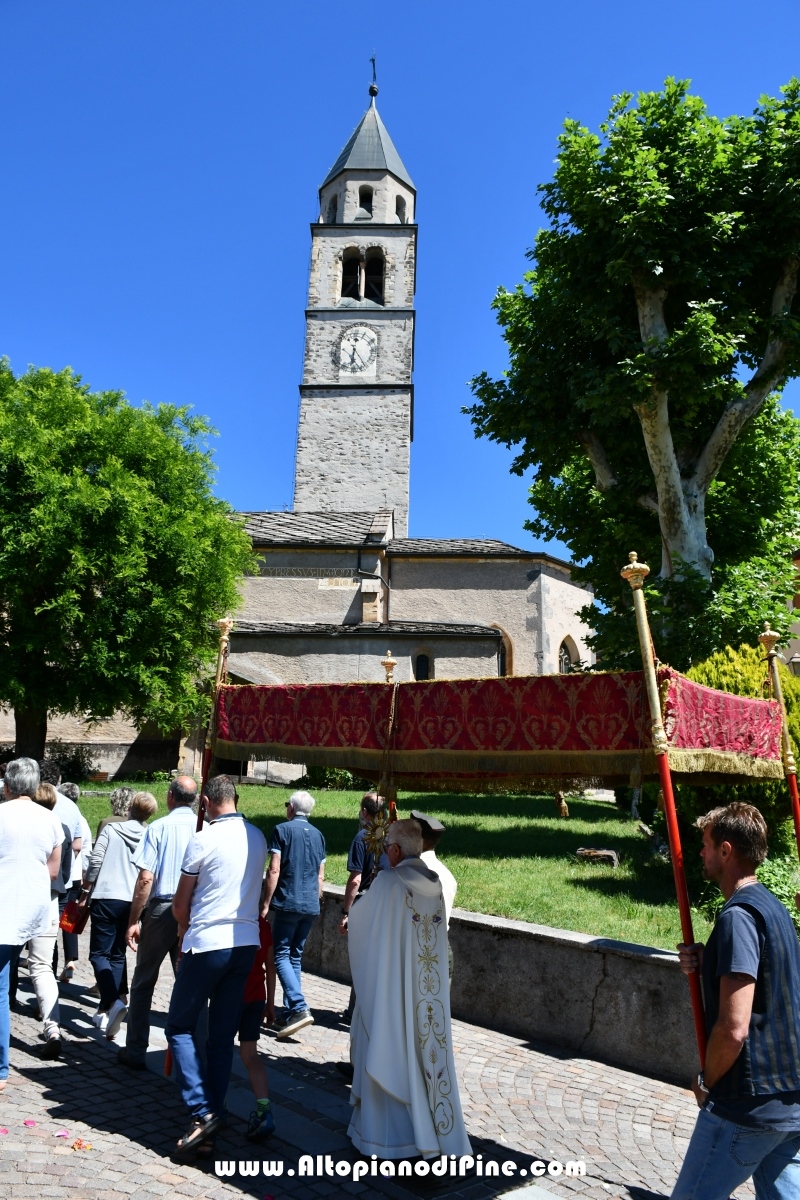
<point>560,601</point>
<point>350,659</point>
<point>305,585</point>
<point>533,604</point>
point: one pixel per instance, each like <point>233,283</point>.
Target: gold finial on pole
<point>635,573</point>
<point>389,665</point>
<point>224,626</point>
<point>769,640</point>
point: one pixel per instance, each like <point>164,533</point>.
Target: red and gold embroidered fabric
<point>589,725</point>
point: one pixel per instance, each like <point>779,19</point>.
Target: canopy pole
<point>220,676</point>
<point>769,640</point>
<point>636,573</point>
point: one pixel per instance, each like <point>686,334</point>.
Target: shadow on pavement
<point>88,1086</point>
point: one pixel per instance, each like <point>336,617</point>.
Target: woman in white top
<point>30,859</point>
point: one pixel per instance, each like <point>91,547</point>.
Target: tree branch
<point>595,450</point>
<point>765,379</point>
<point>648,502</point>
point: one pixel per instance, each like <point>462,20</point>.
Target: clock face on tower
<point>357,350</point>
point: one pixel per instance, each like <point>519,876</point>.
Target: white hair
<point>22,777</point>
<point>408,836</point>
<point>302,802</point>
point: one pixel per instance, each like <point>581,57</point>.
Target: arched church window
<point>564,659</point>
<point>400,209</point>
<point>422,667</point>
<point>333,210</point>
<point>364,203</point>
<point>350,273</point>
<point>373,281</point>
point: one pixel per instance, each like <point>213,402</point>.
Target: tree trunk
<point>31,730</point>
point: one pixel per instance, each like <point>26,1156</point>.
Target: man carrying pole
<point>749,1090</point>
<point>749,1005</point>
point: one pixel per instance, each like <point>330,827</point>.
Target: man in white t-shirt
<point>217,903</point>
<point>30,859</point>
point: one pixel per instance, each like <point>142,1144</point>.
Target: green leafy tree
<point>647,351</point>
<point>115,557</point>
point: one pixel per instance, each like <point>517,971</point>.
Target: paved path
<point>521,1103</point>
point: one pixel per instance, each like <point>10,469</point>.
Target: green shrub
<point>780,874</point>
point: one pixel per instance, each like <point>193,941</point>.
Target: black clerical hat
<point>432,824</point>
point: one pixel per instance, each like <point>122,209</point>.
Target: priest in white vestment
<point>405,1093</point>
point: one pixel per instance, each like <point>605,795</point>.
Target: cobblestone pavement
<point>521,1102</point>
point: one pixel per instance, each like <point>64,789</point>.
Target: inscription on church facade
<point>327,577</point>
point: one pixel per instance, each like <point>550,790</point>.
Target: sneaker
<point>51,1048</point>
<point>116,1015</point>
<point>100,1021</point>
<point>125,1059</point>
<point>260,1125</point>
<point>200,1131</point>
<point>294,1023</point>
<point>66,974</point>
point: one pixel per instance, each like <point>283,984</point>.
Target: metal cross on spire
<point>373,87</point>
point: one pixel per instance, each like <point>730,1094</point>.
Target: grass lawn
<point>512,857</point>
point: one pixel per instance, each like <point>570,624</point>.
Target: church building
<point>340,581</point>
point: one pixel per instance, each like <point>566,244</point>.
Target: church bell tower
<point>356,398</point>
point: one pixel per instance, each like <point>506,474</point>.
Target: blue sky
<point>161,164</point>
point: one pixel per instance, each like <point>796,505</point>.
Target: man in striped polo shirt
<point>152,928</point>
<point>749,1089</point>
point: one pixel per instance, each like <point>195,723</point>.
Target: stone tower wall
<point>353,452</point>
<point>354,432</point>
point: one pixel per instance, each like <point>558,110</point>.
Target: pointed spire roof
<point>370,149</point>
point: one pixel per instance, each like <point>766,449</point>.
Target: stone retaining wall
<point>613,1001</point>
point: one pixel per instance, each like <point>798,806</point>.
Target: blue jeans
<point>107,946</point>
<point>289,933</point>
<point>219,977</point>
<point>722,1155</point>
<point>8,956</point>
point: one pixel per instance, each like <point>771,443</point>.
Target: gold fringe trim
<point>588,763</point>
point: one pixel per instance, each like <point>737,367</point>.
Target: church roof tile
<point>316,528</point>
<point>428,629</point>
<point>457,548</point>
<point>370,149</point>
